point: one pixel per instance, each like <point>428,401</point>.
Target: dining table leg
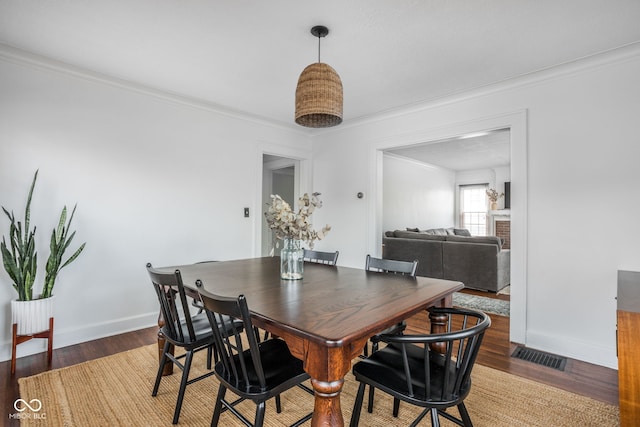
<point>439,323</point>
<point>327,367</point>
<point>327,410</point>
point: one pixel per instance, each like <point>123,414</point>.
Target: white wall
<point>582,156</point>
<point>166,182</point>
<point>156,180</point>
<point>416,195</point>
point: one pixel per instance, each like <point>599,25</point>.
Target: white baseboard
<point>574,349</point>
<point>71,336</point>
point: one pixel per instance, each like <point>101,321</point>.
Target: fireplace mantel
<point>504,214</point>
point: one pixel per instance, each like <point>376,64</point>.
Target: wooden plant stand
<point>19,339</point>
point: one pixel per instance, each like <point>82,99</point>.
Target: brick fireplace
<point>503,229</point>
<point>501,226</point>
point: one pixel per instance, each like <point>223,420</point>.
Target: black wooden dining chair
<point>319,257</point>
<point>181,329</point>
<point>383,265</point>
<point>251,370</point>
<point>432,371</point>
<point>391,266</point>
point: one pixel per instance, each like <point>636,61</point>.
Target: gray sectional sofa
<point>453,254</point>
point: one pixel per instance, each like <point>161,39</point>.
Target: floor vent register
<point>540,358</point>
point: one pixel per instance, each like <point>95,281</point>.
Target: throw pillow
<point>461,232</point>
<point>437,231</point>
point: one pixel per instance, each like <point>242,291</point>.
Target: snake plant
<point>20,257</point>
<point>60,241</point>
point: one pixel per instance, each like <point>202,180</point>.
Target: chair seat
<point>281,370</point>
<point>202,329</point>
<point>385,370</point>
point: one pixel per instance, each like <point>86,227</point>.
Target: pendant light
<point>319,92</point>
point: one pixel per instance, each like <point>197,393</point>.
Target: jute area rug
<point>116,391</point>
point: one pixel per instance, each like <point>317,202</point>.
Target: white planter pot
<point>32,316</point>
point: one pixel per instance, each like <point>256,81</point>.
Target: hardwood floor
<point>62,357</point>
<point>579,377</point>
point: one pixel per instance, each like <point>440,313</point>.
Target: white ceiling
<point>247,55</point>
<point>467,152</point>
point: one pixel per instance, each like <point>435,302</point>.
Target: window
<point>473,208</point>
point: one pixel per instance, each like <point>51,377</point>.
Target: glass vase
<point>291,260</point>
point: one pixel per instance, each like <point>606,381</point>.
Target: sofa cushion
<point>419,236</point>
<point>428,253</point>
<point>402,233</point>
<point>492,240</point>
<point>432,237</point>
<point>416,229</point>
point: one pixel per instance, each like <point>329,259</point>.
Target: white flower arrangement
<point>286,224</point>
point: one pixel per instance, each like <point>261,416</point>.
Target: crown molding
<point>18,56</point>
<point>621,54</point>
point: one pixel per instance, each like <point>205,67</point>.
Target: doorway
<point>516,122</point>
<point>280,175</point>
<point>443,184</point>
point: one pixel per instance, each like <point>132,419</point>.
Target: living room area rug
<point>116,391</point>
<point>476,302</point>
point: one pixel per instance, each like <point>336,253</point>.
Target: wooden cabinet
<point>628,315</point>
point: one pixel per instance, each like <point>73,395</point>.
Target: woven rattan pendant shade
<point>319,97</point>
<point>319,92</point>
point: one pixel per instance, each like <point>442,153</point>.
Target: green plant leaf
<point>73,257</point>
<point>58,245</point>
<point>60,230</point>
<point>21,261</point>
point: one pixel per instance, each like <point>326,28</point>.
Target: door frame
<point>301,158</point>
<point>517,123</point>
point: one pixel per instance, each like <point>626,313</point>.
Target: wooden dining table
<point>327,317</point>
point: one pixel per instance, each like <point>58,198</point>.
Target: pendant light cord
<point>319,49</point>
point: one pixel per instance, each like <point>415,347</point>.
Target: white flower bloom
<point>287,224</point>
